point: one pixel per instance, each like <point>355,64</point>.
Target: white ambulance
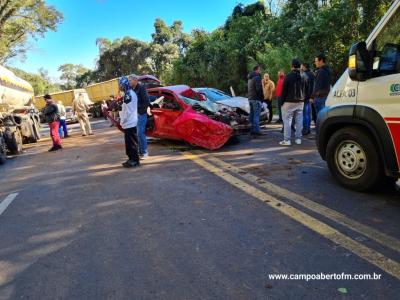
<point>358,134</point>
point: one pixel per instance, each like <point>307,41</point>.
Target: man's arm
<point>272,89</point>
<point>258,86</point>
<point>284,89</point>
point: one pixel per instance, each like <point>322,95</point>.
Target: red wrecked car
<point>180,113</point>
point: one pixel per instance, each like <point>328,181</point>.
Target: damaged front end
<point>221,113</point>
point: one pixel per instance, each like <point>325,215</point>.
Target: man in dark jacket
<point>293,95</point>
<point>305,68</point>
<point>322,84</point>
<point>53,119</point>
<point>143,104</point>
<point>256,96</point>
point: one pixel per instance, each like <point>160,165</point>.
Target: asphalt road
<point>190,224</point>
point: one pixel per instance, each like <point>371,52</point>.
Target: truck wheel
<point>14,141</point>
<point>353,159</point>
<point>3,156</point>
<point>35,131</point>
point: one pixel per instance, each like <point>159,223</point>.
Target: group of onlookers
<point>131,108</point>
<point>132,118</point>
<point>298,94</point>
<point>56,114</point>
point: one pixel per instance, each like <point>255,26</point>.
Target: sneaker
<point>83,134</point>
<point>144,156</point>
<point>285,143</point>
<point>131,164</point>
<point>91,133</point>
<point>298,141</point>
<point>306,132</point>
<point>55,148</point>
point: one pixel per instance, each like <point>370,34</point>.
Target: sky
<point>86,20</point>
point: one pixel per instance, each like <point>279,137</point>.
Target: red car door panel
<point>163,123</point>
<point>202,131</point>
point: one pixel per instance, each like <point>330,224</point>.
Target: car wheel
<point>353,159</point>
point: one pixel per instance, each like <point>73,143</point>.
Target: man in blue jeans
<point>143,104</point>
<point>305,69</point>
<point>256,96</point>
<point>322,84</point>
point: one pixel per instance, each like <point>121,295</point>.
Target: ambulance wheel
<point>353,159</point>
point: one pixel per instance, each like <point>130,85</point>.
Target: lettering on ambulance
<point>394,127</point>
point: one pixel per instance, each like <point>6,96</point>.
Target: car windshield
<point>206,104</point>
<point>68,109</point>
<point>215,95</point>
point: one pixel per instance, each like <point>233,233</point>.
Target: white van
<point>358,134</point>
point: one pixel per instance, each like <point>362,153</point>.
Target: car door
<point>165,116</point>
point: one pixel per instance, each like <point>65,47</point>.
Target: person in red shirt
<point>278,93</point>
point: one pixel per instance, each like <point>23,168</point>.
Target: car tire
<point>353,159</point>
<point>13,141</point>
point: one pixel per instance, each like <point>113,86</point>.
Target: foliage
<point>70,74</point>
<point>40,82</point>
<point>269,33</point>
<point>20,19</point>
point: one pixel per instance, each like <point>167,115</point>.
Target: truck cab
<point>358,133</point>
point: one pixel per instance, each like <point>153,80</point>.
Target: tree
<point>122,57</point>
<point>169,43</point>
<point>41,84</point>
<point>20,19</point>
<point>70,73</point>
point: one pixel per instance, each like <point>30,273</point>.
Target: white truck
<point>358,133</point>
<point>19,119</point>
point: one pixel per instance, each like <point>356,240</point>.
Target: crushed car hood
<point>237,102</point>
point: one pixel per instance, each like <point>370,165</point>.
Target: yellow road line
<point>329,213</point>
<point>386,264</point>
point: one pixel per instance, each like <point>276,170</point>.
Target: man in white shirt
<point>129,119</point>
<point>63,122</point>
<point>79,108</point>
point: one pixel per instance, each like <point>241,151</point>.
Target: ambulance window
<point>387,48</point>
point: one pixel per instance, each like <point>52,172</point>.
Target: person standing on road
<point>305,69</point>
<point>52,118</point>
<point>104,109</point>
<point>322,84</point>
<point>63,120</point>
<point>268,91</point>
<point>255,94</point>
<point>143,104</point>
<point>293,95</point>
<point>279,84</point>
<point>79,108</point>
<point>129,120</point>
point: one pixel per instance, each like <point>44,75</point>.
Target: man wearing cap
<point>143,104</point>
<point>53,118</point>
<point>129,120</point>
<point>293,95</point>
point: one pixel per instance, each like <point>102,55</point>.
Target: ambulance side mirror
<point>360,62</point>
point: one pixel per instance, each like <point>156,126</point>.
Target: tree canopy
<point>20,19</point>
